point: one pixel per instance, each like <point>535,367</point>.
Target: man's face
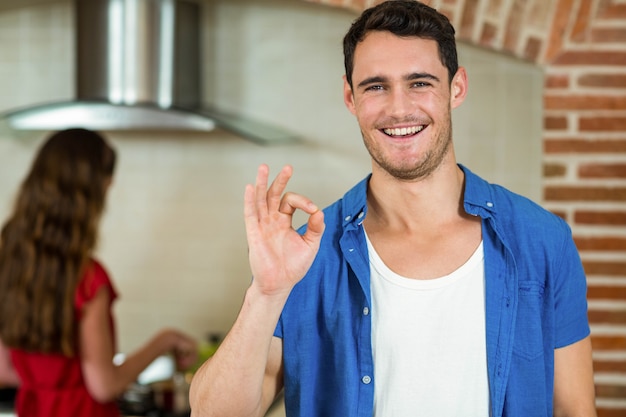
<point>402,99</point>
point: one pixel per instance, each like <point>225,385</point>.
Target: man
<point>424,290</point>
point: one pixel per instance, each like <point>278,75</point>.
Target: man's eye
<point>375,87</point>
<point>421,84</point>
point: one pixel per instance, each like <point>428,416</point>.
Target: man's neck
<point>415,205</point>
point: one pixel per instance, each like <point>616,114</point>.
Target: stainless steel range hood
<point>137,67</point>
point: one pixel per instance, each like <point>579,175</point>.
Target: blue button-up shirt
<point>535,302</point>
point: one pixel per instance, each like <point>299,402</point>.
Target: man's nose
<point>401,103</point>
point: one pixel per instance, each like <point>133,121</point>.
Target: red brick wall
<point>581,45</point>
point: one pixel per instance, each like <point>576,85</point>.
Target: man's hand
<point>279,256</point>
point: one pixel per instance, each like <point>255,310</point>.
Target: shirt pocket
<point>528,343</point>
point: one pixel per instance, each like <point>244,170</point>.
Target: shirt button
<point>366,311</point>
<point>489,204</point>
<point>347,218</point>
<point>361,214</point>
<point>366,379</point>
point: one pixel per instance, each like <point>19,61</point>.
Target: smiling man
<point>425,290</point>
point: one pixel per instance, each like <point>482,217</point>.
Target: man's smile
<point>403,131</point>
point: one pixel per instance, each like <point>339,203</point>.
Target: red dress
<point>52,385</point>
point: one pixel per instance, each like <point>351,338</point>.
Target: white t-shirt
<point>429,343</point>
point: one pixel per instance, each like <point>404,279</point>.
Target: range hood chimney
<point>137,67</point>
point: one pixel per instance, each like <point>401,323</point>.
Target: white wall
<point>173,235</point>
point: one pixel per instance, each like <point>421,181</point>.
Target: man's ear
<point>348,97</point>
<point>458,88</point>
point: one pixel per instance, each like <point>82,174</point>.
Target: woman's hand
<point>279,256</point>
<point>181,346</point>
<point>185,351</point>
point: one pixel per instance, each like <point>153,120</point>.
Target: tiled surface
<point>173,235</point>
<point>36,58</point>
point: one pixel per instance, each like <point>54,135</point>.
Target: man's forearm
<point>233,381</point>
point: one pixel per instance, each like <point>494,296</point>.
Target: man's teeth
<point>403,131</point>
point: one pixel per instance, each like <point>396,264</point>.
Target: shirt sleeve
<point>572,323</point>
<point>94,278</point>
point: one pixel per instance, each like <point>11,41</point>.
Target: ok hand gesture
<point>279,256</point>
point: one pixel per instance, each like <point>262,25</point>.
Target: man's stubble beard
<point>431,160</point>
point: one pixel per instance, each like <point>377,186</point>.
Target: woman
<point>57,336</point>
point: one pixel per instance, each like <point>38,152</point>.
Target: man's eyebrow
<point>411,77</point>
<point>421,76</point>
<point>372,80</point>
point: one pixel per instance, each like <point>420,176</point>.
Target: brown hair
<point>404,18</point>
<point>47,241</point>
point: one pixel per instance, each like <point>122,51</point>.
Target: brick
<point>606,292</point>
<point>532,49</point>
<point>602,171</point>
<point>468,19</point>
<point>591,58</point>
<point>488,35</point>
<point>582,193</point>
<point>603,316</point>
<point>612,11</point>
<point>559,26</point>
<point>557,81</point>
<point>603,80</point>
<point>554,170</point>
<point>602,124</point>
<point>608,342</point>
<point>555,123</point>
<point>605,268</point>
<point>600,217</point>
<point>560,213</point>
<point>584,146</point>
<point>586,102</point>
<point>610,411</point>
<point>608,35</point>
<point>581,24</point>
<point>601,243</point>
<point>610,391</point>
<point>600,365</point>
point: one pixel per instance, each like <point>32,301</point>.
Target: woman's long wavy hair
<point>47,241</point>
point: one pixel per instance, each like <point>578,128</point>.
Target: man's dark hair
<point>404,18</point>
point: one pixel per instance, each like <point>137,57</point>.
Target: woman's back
<point>52,384</point>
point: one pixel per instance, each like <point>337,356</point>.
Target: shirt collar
<point>478,199</point>
<point>354,204</point>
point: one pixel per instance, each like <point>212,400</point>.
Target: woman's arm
<point>104,380</point>
<point>8,376</point>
